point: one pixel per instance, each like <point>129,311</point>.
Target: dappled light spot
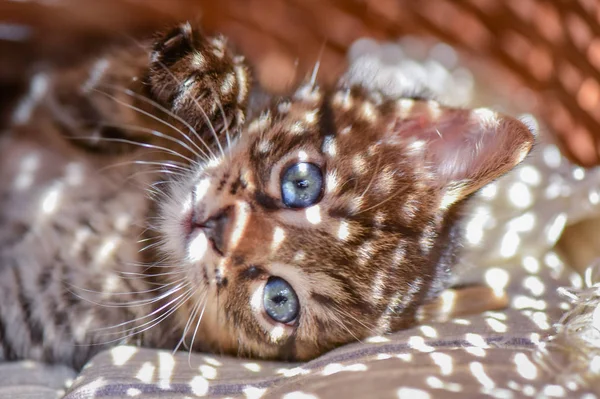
<point>497,279</point>
<point>525,367</point>
<point>429,331</point>
<point>254,392</point>
<point>418,343</point>
<point>299,395</point>
<point>121,354</point>
<point>496,325</point>
<point>28,166</point>
<point>208,372</point>
<point>436,383</point>
<point>254,367</point>
<point>412,393</point>
<point>146,372</point>
<point>199,386</point>
<point>478,371</point>
<point>197,247</point>
<point>313,214</point>
<point>166,364</point>
<point>278,237</point>
<point>334,368</point>
<point>292,372</point>
<point>133,392</point>
<point>444,361</point>
<point>51,198</point>
<point>377,339</point>
<point>475,351</point>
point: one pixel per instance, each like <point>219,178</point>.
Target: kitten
<point>276,231</point>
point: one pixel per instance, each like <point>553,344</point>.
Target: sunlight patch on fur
<point>106,249</point>
<point>278,237</point>
<point>406,105</point>
<point>433,107</point>
<point>37,90</point>
<point>310,117</point>
<point>331,182</point>
<point>202,189</point>
<point>313,214</point>
<point>51,199</point>
<point>242,215</point>
<point>343,231</point>
<point>368,112</point>
<point>28,166</point>
<point>197,248</point>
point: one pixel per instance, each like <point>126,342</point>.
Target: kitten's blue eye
<point>280,300</point>
<point>301,185</point>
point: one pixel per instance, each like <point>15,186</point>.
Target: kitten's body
<point>379,242</point>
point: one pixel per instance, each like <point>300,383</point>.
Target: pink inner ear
<point>466,148</point>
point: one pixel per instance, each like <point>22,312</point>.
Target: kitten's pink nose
<point>216,228</point>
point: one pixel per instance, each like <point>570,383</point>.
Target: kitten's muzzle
<point>216,228</point>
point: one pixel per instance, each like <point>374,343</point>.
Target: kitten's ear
<point>464,149</point>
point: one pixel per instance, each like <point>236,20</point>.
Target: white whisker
<point>149,101</point>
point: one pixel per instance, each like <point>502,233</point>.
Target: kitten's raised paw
<point>199,78</point>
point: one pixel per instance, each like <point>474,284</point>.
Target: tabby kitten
<point>274,229</point>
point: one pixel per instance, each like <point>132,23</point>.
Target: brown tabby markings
<point>379,243</point>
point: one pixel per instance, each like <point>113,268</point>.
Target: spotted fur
<point>380,243</point>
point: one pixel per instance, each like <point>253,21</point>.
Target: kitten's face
<point>329,220</point>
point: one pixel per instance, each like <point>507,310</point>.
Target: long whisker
<point>169,164</point>
<point>130,303</point>
<point>195,310</point>
<point>127,293</point>
<point>145,145</point>
<point>148,114</point>
<point>151,314</point>
<point>190,293</point>
<point>153,172</point>
<point>226,123</point>
<point>313,78</point>
<point>349,316</point>
<point>134,330</point>
<point>208,122</point>
<point>194,335</point>
<point>125,274</point>
<point>149,101</point>
<point>154,133</point>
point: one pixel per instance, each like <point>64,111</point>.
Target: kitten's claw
<point>199,78</point>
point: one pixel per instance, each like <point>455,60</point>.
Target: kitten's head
<point>331,218</point>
